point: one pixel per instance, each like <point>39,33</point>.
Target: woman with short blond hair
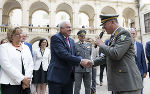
<point>16,64</point>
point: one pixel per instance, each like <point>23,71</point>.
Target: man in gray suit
<point>122,72</point>
<point>84,49</point>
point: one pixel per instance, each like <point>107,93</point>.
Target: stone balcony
<point>47,32</point>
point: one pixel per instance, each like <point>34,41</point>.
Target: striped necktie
<point>67,40</point>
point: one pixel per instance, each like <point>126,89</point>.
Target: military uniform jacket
<point>122,71</point>
<point>84,50</point>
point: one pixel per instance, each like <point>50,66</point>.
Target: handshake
<point>86,63</point>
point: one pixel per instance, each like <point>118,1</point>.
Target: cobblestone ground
<point>103,89</point>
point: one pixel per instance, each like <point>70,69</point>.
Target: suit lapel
<point>64,41</point>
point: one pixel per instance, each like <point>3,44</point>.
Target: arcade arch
<point>7,8</point>
<point>15,13</point>
<point>40,19</point>
<point>108,10</point>
<point>88,10</point>
<point>60,16</point>
<point>35,7</point>
<point>73,9</point>
<point>83,20</point>
<point>65,8</point>
<point>129,17</point>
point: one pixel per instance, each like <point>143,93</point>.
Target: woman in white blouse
<point>41,58</point>
<point>16,64</point>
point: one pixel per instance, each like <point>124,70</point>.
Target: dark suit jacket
<point>140,59</point>
<point>62,60</point>
<point>148,54</point>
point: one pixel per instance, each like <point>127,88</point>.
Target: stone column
<point>96,20</point>
<point>52,20</point>
<point>75,23</point>
<point>1,16</point>
<point>137,25</point>
<point>30,19</point>
<point>96,17</point>
<point>52,15</point>
<point>6,19</point>
<point>25,14</point>
<point>120,18</point>
<point>25,17</point>
<point>75,18</point>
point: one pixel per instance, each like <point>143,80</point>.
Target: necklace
<point>16,45</point>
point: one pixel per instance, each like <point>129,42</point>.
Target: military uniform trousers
<point>94,72</point>
<point>86,76</point>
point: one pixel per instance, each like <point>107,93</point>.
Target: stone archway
<point>37,6</point>
<point>108,10</point>
<point>65,8</point>
<point>7,7</point>
<point>89,10</point>
<point>129,17</point>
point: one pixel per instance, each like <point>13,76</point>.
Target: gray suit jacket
<point>122,71</point>
<point>84,50</point>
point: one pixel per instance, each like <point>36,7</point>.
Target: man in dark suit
<point>122,72</point>
<point>60,73</point>
<point>139,54</point>
<point>147,49</point>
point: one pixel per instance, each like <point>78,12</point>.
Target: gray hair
<point>131,29</point>
<point>63,23</point>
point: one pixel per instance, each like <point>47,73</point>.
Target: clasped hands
<point>26,82</point>
<point>86,63</point>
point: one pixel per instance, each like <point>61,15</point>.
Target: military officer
<point>122,72</point>
<point>84,49</point>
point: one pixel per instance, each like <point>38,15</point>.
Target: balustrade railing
<point>53,30</point>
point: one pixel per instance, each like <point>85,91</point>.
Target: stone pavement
<point>103,89</point>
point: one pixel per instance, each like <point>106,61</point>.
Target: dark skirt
<point>14,89</point>
<point>39,76</point>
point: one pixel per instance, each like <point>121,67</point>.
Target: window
<point>147,22</point>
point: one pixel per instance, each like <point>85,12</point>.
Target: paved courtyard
<point>103,89</point>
